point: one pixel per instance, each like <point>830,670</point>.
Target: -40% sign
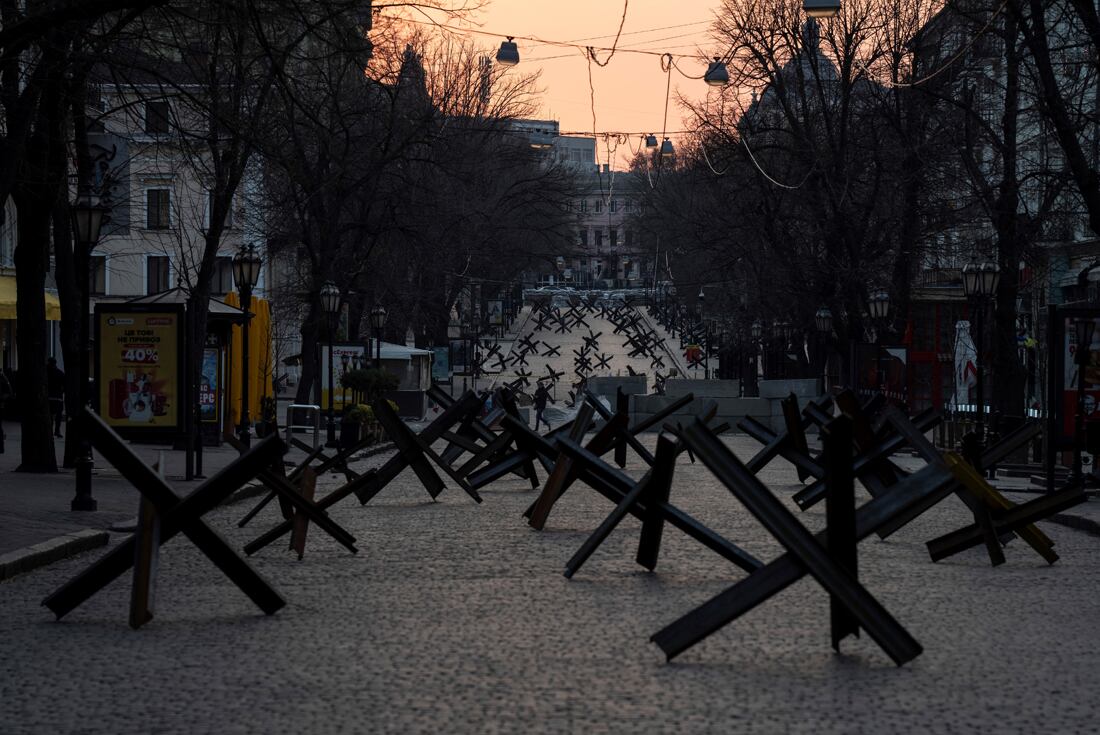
<point>143,355</point>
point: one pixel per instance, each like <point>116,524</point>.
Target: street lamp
<point>821,8</point>
<point>330,303</point>
<point>246,271</point>
<point>879,306</point>
<point>508,53</point>
<point>980,281</point>
<point>823,320</point>
<point>377,322</point>
<point>87,215</point>
<point>717,75</point>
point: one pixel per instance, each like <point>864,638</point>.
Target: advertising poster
<point>209,385</point>
<point>441,364</point>
<point>345,358</point>
<point>459,350</point>
<point>1091,370</point>
<point>496,312</point>
<point>138,367</point>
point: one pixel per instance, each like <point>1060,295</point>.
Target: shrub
<point>370,383</point>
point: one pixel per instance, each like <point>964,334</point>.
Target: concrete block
<point>677,387</point>
<point>804,388</point>
<point>606,385</point>
<point>740,407</point>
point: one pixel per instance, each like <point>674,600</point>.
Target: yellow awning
<point>8,297</point>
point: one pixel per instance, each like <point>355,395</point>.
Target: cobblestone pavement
<point>455,617</point>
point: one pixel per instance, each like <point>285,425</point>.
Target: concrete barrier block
<point>804,388</point>
<point>677,387</point>
<point>607,385</point>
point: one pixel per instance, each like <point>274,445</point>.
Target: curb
<point>61,547</point>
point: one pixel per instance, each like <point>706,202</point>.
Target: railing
<point>292,414</point>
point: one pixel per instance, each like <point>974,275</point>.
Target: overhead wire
<point>615,43</point>
<point>646,30</point>
<point>537,40</point>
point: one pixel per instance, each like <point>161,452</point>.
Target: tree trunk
<point>31,261</point>
<point>312,329</point>
<point>72,298</point>
<point>1008,377</point>
<point>42,173</point>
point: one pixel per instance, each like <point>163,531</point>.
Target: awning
<point>9,295</point>
<point>391,351</point>
<point>215,309</point>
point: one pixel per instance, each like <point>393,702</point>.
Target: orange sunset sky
<point>630,91</point>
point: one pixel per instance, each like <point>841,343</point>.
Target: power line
<point>539,41</point>
<point>647,30</point>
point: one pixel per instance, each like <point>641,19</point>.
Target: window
<point>629,238</point>
<point>97,275</point>
<point>584,205</point>
<point>156,117</point>
<point>599,239</point>
<point>599,206</point>
<point>223,275</point>
<point>158,205</point>
<point>614,205</point>
<point>584,238</point>
<point>156,274</point>
<point>614,237</point>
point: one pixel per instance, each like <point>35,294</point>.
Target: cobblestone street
<point>455,617</point>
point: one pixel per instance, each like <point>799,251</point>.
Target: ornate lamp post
<point>756,331</point>
<point>377,323</point>
<point>781,331</point>
<point>87,220</point>
<point>330,302</point>
<point>879,306</point>
<point>980,281</point>
<point>246,271</point>
<point>823,320</point>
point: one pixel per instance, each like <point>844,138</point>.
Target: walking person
<point>541,397</point>
<point>55,384</point>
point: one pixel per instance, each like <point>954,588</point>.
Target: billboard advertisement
<point>345,358</point>
<point>139,373</point>
<point>1072,372</point>
<point>441,364</point>
<point>209,384</point>
<point>496,312</point>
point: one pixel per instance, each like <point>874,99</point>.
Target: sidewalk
<point>34,508</point>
